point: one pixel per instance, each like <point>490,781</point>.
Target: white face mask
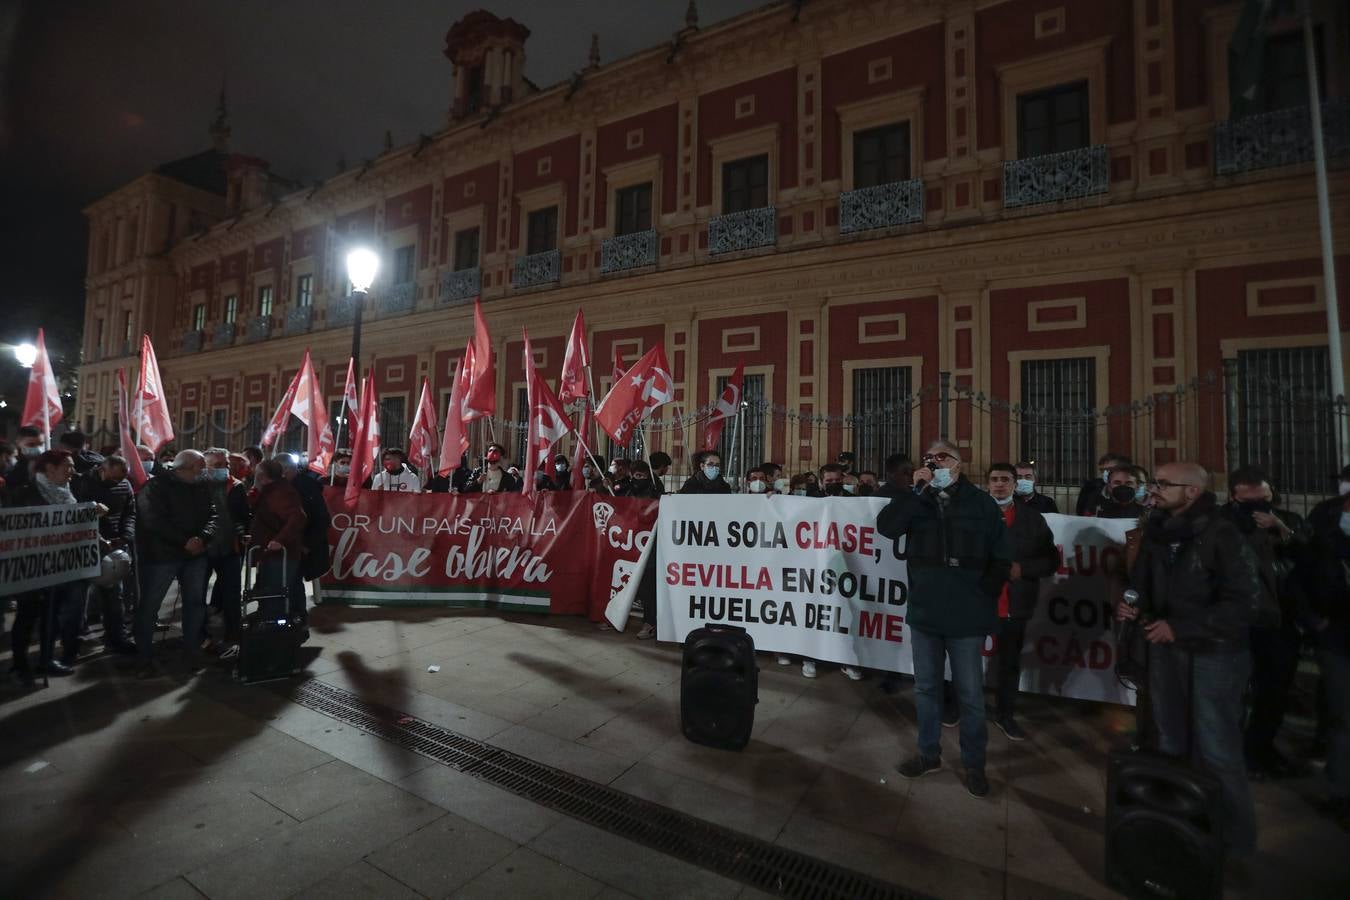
<point>850,488</point>
<point>1106,475</point>
<point>781,485</point>
<point>799,492</point>
<point>585,471</point>
<point>942,478</point>
<point>756,487</point>
<point>1003,501</point>
<point>1025,487</point>
<point>711,472</point>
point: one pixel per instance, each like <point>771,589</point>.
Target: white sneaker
<point>784,659</point>
<point>854,674</point>
<point>808,668</point>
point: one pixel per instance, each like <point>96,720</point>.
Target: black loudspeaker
<point>719,687</point>
<point>1164,834</point>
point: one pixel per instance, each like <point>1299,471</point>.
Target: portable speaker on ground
<point>719,687</point>
<point>1164,828</point>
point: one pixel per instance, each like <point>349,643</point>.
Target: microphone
<point>1131,598</point>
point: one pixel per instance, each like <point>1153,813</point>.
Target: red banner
<point>560,552</point>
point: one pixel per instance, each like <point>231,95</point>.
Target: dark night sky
<point>93,94</point>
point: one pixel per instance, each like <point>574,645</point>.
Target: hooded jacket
<point>957,553</point>
<point>1196,571</point>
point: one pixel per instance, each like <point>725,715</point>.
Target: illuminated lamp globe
<point>362,264</point>
<point>26,354</point>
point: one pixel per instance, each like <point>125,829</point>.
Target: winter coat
<point>1196,571</point>
<point>314,560</point>
<point>279,515</point>
<point>698,483</point>
<point>120,522</point>
<point>231,530</point>
<point>958,556</point>
<point>1032,546</point>
<point>169,513</point>
<point>1280,557</point>
<point>1039,502</point>
<point>509,483</point>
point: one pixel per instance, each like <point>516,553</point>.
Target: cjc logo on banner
<point>814,578</point>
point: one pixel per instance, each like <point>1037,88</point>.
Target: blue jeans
<point>1335,669</point>
<point>1211,684</point>
<point>156,577</point>
<point>967,676</point>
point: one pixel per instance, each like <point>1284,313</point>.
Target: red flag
<point>728,405</point>
<point>455,440</point>
<point>422,440</point>
<point>547,425</point>
<point>572,382</point>
<point>283,413</point>
<point>366,440</point>
<point>619,368</point>
<point>135,471</point>
<point>150,408</point>
<point>579,452</point>
<point>482,396</point>
<point>42,406</point>
<point>639,391</point>
<point>312,412</point>
<point>351,406</point>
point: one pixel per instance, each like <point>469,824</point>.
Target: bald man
<point>1200,591</point>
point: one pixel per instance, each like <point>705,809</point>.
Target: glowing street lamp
<point>362,264</point>
<point>26,354</point>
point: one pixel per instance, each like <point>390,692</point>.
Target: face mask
<point>493,456</point>
<point>867,490</point>
<point>1004,501</point>
<point>942,478</point>
<point>342,471</point>
<point>850,488</point>
<point>711,472</point>
<point>1106,475</point>
<point>560,467</point>
<point>781,485</point>
<point>799,492</point>
<point>392,467</point>
<point>756,487</point>
<point>1140,494</point>
<point>218,474</point>
<point>585,471</point>
<point>1248,507</point>
<point>1345,524</point>
<point>834,490</point>
<point>1345,488</point>
<point>1122,493</point>
<point>31,452</point>
<point>1025,487</point>
<point>613,470</point>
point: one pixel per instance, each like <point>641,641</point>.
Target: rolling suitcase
<point>270,639</point>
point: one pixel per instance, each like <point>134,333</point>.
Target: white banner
<point>45,545</point>
<point>812,577</point>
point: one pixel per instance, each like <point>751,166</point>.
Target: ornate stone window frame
<point>1086,62</point>
<point>731,147</point>
<point>626,175</point>
<point>542,197</point>
<point>874,112</point>
<point>915,366</point>
<point>462,220</point>
<point>1101,377</point>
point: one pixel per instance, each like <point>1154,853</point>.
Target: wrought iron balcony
<point>461,286</point>
<point>882,206</point>
<point>536,269</point>
<point>259,329</point>
<point>192,342</point>
<point>397,299</point>
<point>628,251</point>
<point>1282,137</point>
<point>341,311</point>
<point>1055,177</point>
<point>299,319</point>
<point>223,336</point>
<point>743,230</point>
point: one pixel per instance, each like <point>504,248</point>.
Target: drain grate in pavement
<point>749,860</point>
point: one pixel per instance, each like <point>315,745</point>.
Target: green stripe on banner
<point>450,598</point>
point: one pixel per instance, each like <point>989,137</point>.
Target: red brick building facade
<point>1031,225</point>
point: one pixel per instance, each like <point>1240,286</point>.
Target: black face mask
<point>835,489</point>
<point>1250,507</point>
<point>1122,494</point>
<point>866,490</point>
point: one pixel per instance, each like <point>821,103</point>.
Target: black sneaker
<point>976,783</point>
<point>917,766</point>
<point>1008,725</point>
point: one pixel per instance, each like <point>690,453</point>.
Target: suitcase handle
<point>248,565</point>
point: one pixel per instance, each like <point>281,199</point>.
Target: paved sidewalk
<point>184,787</point>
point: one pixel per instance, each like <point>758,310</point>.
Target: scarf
<point>53,493</point>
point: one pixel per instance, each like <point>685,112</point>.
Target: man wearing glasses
<point>958,557</point>
<point>1199,594</point>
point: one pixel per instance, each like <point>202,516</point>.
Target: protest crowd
<point>1218,599</point>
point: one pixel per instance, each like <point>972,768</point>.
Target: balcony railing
<point>192,342</point>
<point>1055,177</point>
<point>259,329</point>
<point>628,251</point>
<point>299,319</point>
<point>743,230</point>
<point>397,299</point>
<point>536,269</point>
<point>461,286</point>
<point>882,206</point>
<point>341,312</point>
<point>1282,137</point>
<point>223,336</point>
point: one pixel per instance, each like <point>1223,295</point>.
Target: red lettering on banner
<point>852,538</point>
<point>882,626</point>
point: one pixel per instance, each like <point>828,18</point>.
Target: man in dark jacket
<point>899,476</point>
<point>108,484</point>
<point>1034,556</point>
<point>77,443</point>
<point>957,553</point>
<point>1093,490</point>
<point>1026,493</point>
<point>707,477</point>
<point>1279,539</point>
<point>175,522</point>
<point>1122,497</point>
<point>1200,591</point>
<point>1325,613</point>
<point>224,554</point>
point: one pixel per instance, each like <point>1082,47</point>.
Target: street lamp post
<point>362,264</point>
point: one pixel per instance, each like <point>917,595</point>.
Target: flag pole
<point>1324,227</point>
<point>47,420</point>
<point>595,464</point>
